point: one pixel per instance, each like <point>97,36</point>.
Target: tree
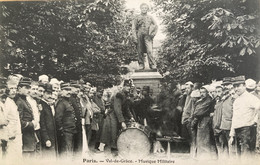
<point>67,40</point>
<point>209,39</point>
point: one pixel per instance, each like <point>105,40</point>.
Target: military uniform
<point>26,118</point>
<point>66,126</point>
<point>75,101</point>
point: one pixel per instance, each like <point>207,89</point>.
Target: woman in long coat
<point>202,123</point>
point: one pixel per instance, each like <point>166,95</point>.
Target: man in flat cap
<point>226,116</point>
<point>144,28</point>
<point>244,119</point>
<point>65,122</point>
<point>28,122</point>
<point>48,126</point>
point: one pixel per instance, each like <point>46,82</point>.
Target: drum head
<point>133,143</point>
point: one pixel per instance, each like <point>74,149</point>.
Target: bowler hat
<point>48,88</point>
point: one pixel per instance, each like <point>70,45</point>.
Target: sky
<point>135,4</point>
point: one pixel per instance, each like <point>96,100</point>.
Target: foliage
<point>209,39</point>
<point>67,40</point>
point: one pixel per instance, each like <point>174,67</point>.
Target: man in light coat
<point>14,126</point>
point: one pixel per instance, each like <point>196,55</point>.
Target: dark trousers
<point>67,144</point>
<point>221,140</point>
<point>246,140</point>
<point>78,141</point>
<point>88,132</point>
<point>3,148</point>
<point>38,144</point>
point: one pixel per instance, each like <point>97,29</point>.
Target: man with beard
<point>27,118</point>
<point>217,119</point>
<point>32,99</point>
<point>65,122</point>
<point>47,122</point>
<point>75,101</point>
<point>244,119</point>
<point>201,122</point>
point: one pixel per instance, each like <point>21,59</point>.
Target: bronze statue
<point>144,29</point>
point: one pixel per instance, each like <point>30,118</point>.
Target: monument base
<point>149,78</point>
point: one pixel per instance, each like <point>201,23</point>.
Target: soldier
<point>27,118</point>
<point>115,118</point>
<point>65,122</point>
<point>75,101</point>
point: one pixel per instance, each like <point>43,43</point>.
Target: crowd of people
<point>56,119</point>
<point>51,118</point>
<point>221,118</point>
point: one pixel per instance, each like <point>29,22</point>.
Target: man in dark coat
<point>115,116</point>
<point>205,143</point>
<point>75,101</point>
<point>47,123</point>
<point>145,104</point>
<point>65,122</point>
<point>26,118</point>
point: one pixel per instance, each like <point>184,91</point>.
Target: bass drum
<point>134,142</point>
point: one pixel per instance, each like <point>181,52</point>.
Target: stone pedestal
<point>147,78</point>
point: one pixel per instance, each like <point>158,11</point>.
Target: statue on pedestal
<point>144,29</point>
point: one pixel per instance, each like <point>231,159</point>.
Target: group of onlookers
<point>222,118</point>
<point>53,118</point>
<point>50,118</point>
